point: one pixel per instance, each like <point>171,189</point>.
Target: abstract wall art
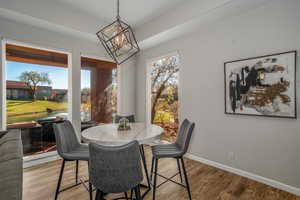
<point>262,86</point>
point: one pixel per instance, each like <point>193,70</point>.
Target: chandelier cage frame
<point>118,29</point>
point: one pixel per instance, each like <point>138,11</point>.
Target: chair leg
<point>155,178</point>
<point>59,179</point>
<point>131,194</point>
<point>126,196</point>
<point>152,167</point>
<point>186,179</point>
<point>76,175</point>
<point>137,192</point>
<point>99,195</point>
<point>179,169</point>
<point>145,165</point>
<point>90,184</point>
<point>102,195</point>
<point>91,191</point>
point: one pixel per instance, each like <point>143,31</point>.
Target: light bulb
<point>119,40</point>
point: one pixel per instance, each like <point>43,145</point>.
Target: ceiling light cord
<point>118,7</point>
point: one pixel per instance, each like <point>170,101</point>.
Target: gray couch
<point>11,166</point>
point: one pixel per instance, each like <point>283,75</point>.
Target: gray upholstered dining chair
<point>70,149</point>
<point>130,118</point>
<point>115,169</point>
<point>175,150</point>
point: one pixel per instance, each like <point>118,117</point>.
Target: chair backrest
<point>115,169</point>
<point>66,139</point>
<point>131,118</point>
<point>185,134</point>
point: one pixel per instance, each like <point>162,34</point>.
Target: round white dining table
<point>108,134</point>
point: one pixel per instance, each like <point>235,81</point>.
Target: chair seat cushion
<point>166,151</point>
<point>79,153</point>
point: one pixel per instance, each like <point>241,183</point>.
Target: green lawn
<point>26,118</point>
<point>23,107</point>
<point>18,107</point>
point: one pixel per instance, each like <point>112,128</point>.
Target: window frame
<point>119,77</point>
<point>44,157</point>
<point>3,70</point>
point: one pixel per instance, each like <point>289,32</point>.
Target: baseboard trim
<point>38,161</point>
<point>258,178</point>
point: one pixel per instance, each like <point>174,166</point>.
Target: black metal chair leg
<point>126,196</point>
<point>59,179</point>
<point>155,178</point>
<point>137,192</point>
<point>91,191</point>
<point>186,179</point>
<point>99,195</point>
<point>76,176</point>
<point>145,165</point>
<point>102,195</point>
<point>152,167</point>
<point>90,185</point>
<point>131,194</point>
<point>142,150</point>
<point>179,169</point>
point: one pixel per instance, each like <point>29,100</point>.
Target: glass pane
<point>36,97</point>
<point>164,95</point>
<point>86,95</point>
<point>98,91</point>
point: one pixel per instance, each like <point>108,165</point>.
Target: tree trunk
<point>34,93</point>
<point>153,111</point>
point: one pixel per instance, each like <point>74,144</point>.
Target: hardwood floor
<point>207,183</point>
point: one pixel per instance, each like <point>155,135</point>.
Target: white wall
<point>126,88</point>
<point>267,147</point>
<point>41,37</point>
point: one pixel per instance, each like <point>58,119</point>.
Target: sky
<point>58,75</point>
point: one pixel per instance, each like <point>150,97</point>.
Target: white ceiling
<point>154,21</point>
<point>135,12</point>
<point>85,16</point>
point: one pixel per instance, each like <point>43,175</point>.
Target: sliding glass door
<point>36,94</point>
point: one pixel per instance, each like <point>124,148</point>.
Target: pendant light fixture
<point>118,39</point>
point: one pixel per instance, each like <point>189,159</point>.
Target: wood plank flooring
<point>207,183</point>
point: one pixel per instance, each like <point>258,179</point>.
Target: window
<point>86,108</point>
<point>36,95</point>
<point>163,96</point>
<point>98,90</point>
<point>35,92</point>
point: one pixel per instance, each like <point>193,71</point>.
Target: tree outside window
<point>164,95</point>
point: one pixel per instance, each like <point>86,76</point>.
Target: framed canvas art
<point>262,86</point>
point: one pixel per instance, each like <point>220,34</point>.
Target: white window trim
<point>3,84</point>
<point>149,63</point>
<point>29,161</point>
<point>45,157</point>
